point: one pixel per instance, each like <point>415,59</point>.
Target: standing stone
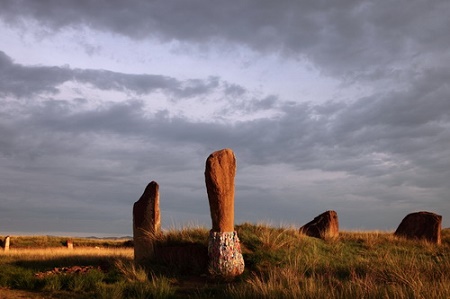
<point>70,244</point>
<point>146,223</point>
<point>224,251</point>
<point>422,226</point>
<point>324,226</point>
<point>6,243</point>
<point>219,177</point>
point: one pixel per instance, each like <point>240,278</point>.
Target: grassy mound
<point>280,263</point>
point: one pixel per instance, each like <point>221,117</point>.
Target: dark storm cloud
<point>346,37</point>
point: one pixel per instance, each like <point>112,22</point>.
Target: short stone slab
<point>69,244</point>
<point>421,226</point>
<point>324,226</point>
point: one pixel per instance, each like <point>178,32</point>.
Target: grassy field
<point>280,263</point>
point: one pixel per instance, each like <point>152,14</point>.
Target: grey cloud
<point>118,147</point>
<point>194,87</point>
<point>239,104</point>
<point>349,37</point>
<point>402,122</point>
<point>368,137</point>
<point>144,84</point>
<point>234,90</point>
<point>400,126</point>
<point>120,118</point>
<point>141,84</point>
<point>21,81</point>
<point>265,103</point>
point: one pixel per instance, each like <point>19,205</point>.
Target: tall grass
<point>280,263</point>
<point>138,283</point>
<point>357,265</point>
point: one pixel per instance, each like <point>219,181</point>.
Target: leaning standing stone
<point>224,251</point>
<point>146,223</point>
<point>422,226</point>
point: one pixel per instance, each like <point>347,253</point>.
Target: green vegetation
<point>52,242</point>
<point>280,263</point>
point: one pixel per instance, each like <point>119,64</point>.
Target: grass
<point>280,263</point>
<point>54,242</point>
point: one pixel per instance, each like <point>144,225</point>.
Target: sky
<point>327,105</point>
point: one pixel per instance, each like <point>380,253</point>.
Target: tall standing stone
<point>146,223</point>
<point>421,226</point>
<point>224,251</point>
<point>219,177</point>
<point>6,243</point>
<point>324,226</point>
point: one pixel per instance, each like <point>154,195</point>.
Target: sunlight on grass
<point>50,253</point>
<point>280,263</point>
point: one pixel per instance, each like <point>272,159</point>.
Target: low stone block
<point>421,226</point>
<point>324,226</point>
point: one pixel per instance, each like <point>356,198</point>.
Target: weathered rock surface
<point>146,223</point>
<point>422,226</point>
<point>324,226</point>
<point>219,177</point>
<point>225,259</point>
<point>225,256</point>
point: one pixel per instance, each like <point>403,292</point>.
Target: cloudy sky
<point>341,105</point>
